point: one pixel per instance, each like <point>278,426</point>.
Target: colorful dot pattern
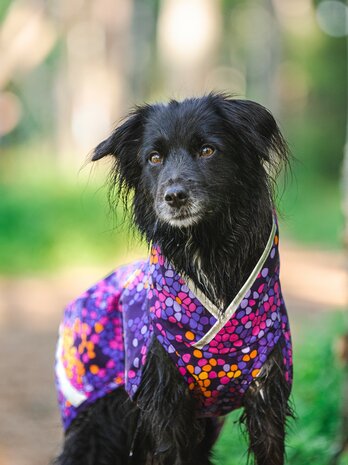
<point>107,333</point>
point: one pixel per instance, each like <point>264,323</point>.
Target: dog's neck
<point>218,255</point>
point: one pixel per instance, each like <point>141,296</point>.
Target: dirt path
<point>30,310</point>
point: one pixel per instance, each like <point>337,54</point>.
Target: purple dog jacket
<point>106,333</point>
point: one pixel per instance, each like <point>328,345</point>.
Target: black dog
<point>199,175</point>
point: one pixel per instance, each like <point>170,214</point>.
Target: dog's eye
<point>206,151</point>
<point>155,158</point>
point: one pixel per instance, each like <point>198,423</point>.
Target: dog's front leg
<point>174,435</point>
<point>266,410</point>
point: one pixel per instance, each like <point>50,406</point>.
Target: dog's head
<point>187,162</point>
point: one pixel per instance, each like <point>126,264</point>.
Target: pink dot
<point>230,329</point>
<point>255,331</point>
<point>182,371</point>
<point>186,358</point>
<point>224,380</point>
<point>131,374</point>
<point>225,350</point>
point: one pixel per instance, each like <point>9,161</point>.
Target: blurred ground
<point>29,424</point>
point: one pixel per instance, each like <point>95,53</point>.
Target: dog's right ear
<point>126,138</point>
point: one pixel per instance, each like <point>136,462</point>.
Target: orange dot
<point>207,394</point>
<point>255,373</point>
<point>98,327</point>
<point>203,375</point>
<point>190,368</point>
<point>197,353</point>
<point>237,373</point>
<point>234,367</point>
<point>191,386</point>
<point>189,335</point>
<point>213,362</point>
<point>276,239</point>
<point>94,369</point>
<point>178,300</point>
<point>85,327</point>
<point>246,358</point>
<point>206,382</point>
<point>206,368</point>
<point>80,369</point>
<point>221,374</point>
<point>253,354</point>
<point>90,345</point>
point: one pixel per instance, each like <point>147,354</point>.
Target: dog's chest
<point>218,354</point>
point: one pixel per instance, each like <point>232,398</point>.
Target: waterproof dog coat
<point>106,333</point>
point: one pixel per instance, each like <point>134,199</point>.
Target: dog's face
<point>187,161</point>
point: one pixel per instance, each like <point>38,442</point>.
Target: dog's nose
<point>176,196</point>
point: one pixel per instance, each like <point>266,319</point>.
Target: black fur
<point>216,235</point>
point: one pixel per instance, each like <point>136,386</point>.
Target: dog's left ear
<point>126,138</point>
<point>255,126</point>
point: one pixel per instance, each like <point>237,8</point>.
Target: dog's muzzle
<point>177,206</point>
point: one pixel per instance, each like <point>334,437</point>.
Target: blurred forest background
<point>69,70</point>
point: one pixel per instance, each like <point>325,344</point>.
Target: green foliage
<point>47,225</point>
<point>316,129</point>
<point>4,5</point>
<point>311,209</point>
<point>316,396</point>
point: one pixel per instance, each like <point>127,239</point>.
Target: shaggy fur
<point>197,177</point>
